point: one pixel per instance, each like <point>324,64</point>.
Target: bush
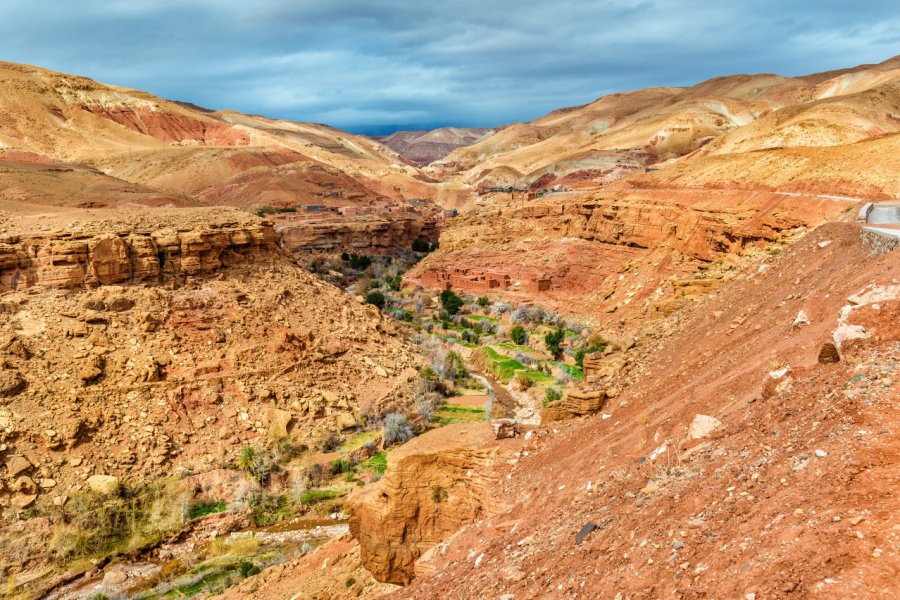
<point>360,262</point>
<point>523,381</point>
<point>247,569</point>
<point>483,301</point>
<point>500,308</point>
<point>420,245</point>
<point>518,336</point>
<point>340,465</point>
<point>552,395</point>
<point>451,302</point>
<point>254,464</point>
<point>553,340</point>
<point>397,429</point>
<point>455,367</point>
<point>375,298</point>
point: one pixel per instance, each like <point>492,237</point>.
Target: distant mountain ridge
<point>425,147</point>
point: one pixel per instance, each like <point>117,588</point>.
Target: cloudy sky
<point>377,65</point>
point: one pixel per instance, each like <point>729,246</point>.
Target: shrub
<point>455,367</point>
<point>451,302</point>
<point>350,580</point>
<point>517,335</point>
<point>500,308</point>
<point>483,301</point>
<point>552,395</point>
<point>420,245</point>
<point>397,429</point>
<point>375,298</point>
<point>438,494</point>
<point>360,262</point>
<point>523,381</point>
<point>247,569</point>
<point>553,340</point>
<point>340,465</point>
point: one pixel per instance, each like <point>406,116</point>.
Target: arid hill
<point>424,147</point>
<point>621,133</point>
<point>176,149</point>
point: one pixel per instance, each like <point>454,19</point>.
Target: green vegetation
<point>375,298</point>
<point>359,262</point>
<point>551,395</point>
<point>312,496</point>
<point>269,211</point>
<point>377,464</point>
<point>483,301</point>
<point>552,341</point>
<point>206,507</point>
<point>451,302</point>
<point>518,336</point>
<point>420,245</point>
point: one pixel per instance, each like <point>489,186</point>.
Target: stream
<point>142,577</point>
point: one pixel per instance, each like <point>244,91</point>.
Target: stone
<point>103,484</point>
<point>114,578</point>
<point>278,422</point>
<point>24,501</point>
<point>801,319</point>
<point>829,353</point>
<point>11,383</point>
<point>16,465</point>
<point>821,453</point>
<point>505,428</point>
<point>702,426</point>
<point>24,485</point>
<point>586,529</point>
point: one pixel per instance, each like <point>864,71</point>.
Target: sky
<point>375,66</point>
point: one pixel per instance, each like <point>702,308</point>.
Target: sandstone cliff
<point>434,485</point>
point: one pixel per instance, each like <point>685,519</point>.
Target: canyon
<point>643,347</point>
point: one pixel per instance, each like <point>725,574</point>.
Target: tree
<point>420,245</point>
<point>553,340</point>
<point>376,298</point>
<point>517,335</point>
<point>451,302</point>
<point>483,301</point>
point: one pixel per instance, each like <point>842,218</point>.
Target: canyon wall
<point>166,255</point>
<point>376,235</point>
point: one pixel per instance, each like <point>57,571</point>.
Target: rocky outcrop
<point>167,255</point>
<point>577,402</point>
<point>434,485</point>
<point>368,234</point>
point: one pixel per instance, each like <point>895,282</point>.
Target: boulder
<point>103,484</point>
<point>16,465</point>
<point>829,353</point>
<point>11,383</point>
<point>702,426</point>
<point>577,402</point>
<point>505,428</point>
<point>278,422</point>
<point>434,485</point>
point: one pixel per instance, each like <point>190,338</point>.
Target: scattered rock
<point>103,484</point>
<point>702,426</point>
<point>587,529</point>
<point>11,383</point>
<point>16,465</point>
<point>114,578</point>
<point>829,353</point>
<point>801,319</point>
<point>505,428</point>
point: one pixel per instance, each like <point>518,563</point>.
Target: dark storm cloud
<point>375,64</point>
